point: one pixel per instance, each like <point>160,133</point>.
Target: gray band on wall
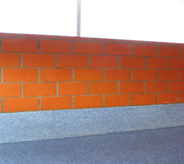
<point>31,126</point>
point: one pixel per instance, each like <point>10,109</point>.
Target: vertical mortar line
<point>118,61</point>
<point>1,75</point>
<point>56,37</point>
<point>73,75</point>
<point>144,86</point>
<point>157,75</point>
<point>132,49</point>
<point>39,75</point>
<point>2,105</point>
<point>73,46</point>
<point>168,86</point>
<point>118,87</point>
<point>145,62</point>
<point>89,88</point>
<point>39,103</point>
<point>1,44</point>
<point>103,100</point>
<point>20,35</point>
<point>169,63</point>
<point>56,60</point>
<point>103,48</point>
<point>38,45</point>
<point>156,98</point>
<point>179,97</point>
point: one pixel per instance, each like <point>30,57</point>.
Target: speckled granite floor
<point>158,146</point>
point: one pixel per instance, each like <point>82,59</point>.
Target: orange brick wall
<point>39,72</point>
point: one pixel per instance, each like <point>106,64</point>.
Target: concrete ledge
<point>31,126</point>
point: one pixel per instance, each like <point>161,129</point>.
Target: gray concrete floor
<point>160,146</point>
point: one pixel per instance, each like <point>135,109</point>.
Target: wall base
<point>31,126</point>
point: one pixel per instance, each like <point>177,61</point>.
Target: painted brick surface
<point>117,49</point>
<point>40,72</point>
<point>168,51</point>
<point>20,75</point>
<point>20,45</point>
<point>9,60</point>
<point>73,61</point>
<point>131,62</point>
<point>49,75</point>
<point>52,103</point>
<point>39,60</point>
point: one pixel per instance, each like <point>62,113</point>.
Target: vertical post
<point>78,17</point>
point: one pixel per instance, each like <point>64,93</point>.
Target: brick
<point>88,101</point>
<point>182,52</point>
<point>53,103</point>
<point>39,89</point>
<point>167,98</point>
<point>143,99</point>
<point>88,74</point>
<point>131,62</point>
<point>49,75</point>
<point>157,62</point>
<point>9,35</point>
<point>20,45</point>
<point>168,74</point>
<point>0,105</point>
<point>73,88</point>
<point>10,90</point>
<point>20,75</point>
<point>182,97</point>
<point>20,104</point>
<point>144,74</point>
<point>176,86</point>
<point>169,51</point>
<point>177,63</point>
<point>9,60</point>
<point>73,61</point>
<point>103,87</point>
<point>117,100</point>
<point>39,60</point>
<point>144,50</point>
<point>72,38</point>
<point>104,62</point>
<point>117,75</point>
<point>161,86</point>
<point>117,49</point>
<point>131,87</point>
<point>88,48</point>
<point>182,74</point>
<point>39,36</point>
<point>55,46</point>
